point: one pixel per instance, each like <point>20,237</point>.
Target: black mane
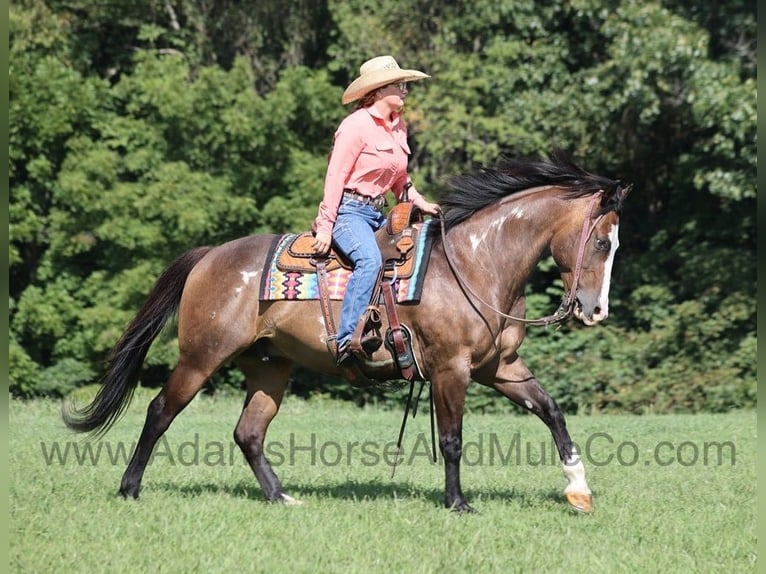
<point>470,192</point>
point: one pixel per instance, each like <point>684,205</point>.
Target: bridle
<point>567,305</point>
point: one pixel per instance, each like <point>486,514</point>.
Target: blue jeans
<point>354,236</point>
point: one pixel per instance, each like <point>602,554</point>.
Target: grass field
<point>672,494</point>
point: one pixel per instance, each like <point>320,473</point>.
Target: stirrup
<point>343,355</point>
<point>371,343</point>
<point>349,366</point>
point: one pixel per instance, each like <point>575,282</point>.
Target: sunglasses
<point>401,86</point>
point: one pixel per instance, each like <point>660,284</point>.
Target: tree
<point>140,129</point>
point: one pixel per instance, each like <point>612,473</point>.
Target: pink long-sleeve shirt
<point>369,156</point>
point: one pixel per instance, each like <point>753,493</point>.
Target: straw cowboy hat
<point>376,73</point>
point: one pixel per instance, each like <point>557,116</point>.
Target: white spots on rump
<point>246,275</point>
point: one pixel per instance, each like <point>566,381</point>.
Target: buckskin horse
<point>497,224</point>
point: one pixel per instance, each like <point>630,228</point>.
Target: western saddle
<point>396,241</point>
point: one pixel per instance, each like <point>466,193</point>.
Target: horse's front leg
<point>515,381</point>
<point>449,390</point>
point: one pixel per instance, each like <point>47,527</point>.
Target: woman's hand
<point>322,244</point>
<point>430,208</point>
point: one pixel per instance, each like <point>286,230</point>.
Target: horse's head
<point>573,213</point>
<point>584,251</point>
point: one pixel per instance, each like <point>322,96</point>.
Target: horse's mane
<point>467,193</point>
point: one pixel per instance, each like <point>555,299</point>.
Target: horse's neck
<point>507,240</point>
<point>517,231</point>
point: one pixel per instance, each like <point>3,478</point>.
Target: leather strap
<point>378,202</point>
<point>324,301</point>
<point>567,305</point>
<point>400,347</point>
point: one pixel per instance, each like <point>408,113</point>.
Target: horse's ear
<point>621,193</point>
<point>612,201</point>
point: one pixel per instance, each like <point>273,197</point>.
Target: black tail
<point>128,355</point>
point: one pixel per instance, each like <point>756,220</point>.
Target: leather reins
<point>567,305</point>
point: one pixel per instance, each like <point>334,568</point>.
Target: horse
<point>496,224</point>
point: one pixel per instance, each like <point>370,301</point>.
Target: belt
<point>378,202</point>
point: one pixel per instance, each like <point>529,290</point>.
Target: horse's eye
<point>603,243</point>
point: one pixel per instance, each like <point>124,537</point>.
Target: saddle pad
<point>281,285</point>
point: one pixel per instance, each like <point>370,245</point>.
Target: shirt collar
<point>373,111</point>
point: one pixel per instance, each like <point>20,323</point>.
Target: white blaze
<point>603,298</point>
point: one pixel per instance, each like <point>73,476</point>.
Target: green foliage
<point>23,372</point>
<point>63,377</point>
<point>138,130</point>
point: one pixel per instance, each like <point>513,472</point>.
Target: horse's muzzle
<point>590,315</point>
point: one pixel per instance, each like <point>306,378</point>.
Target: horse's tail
<point>128,355</point>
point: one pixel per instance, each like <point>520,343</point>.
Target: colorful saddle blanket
<point>279,284</point>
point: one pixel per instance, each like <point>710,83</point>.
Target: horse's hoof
<point>462,508</point>
<point>290,501</point>
<point>581,502</point>
<point>128,493</point>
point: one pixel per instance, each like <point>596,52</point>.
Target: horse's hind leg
<point>266,384</point>
<point>182,386</point>
<point>516,382</point>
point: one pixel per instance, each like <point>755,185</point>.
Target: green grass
<point>209,515</point>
